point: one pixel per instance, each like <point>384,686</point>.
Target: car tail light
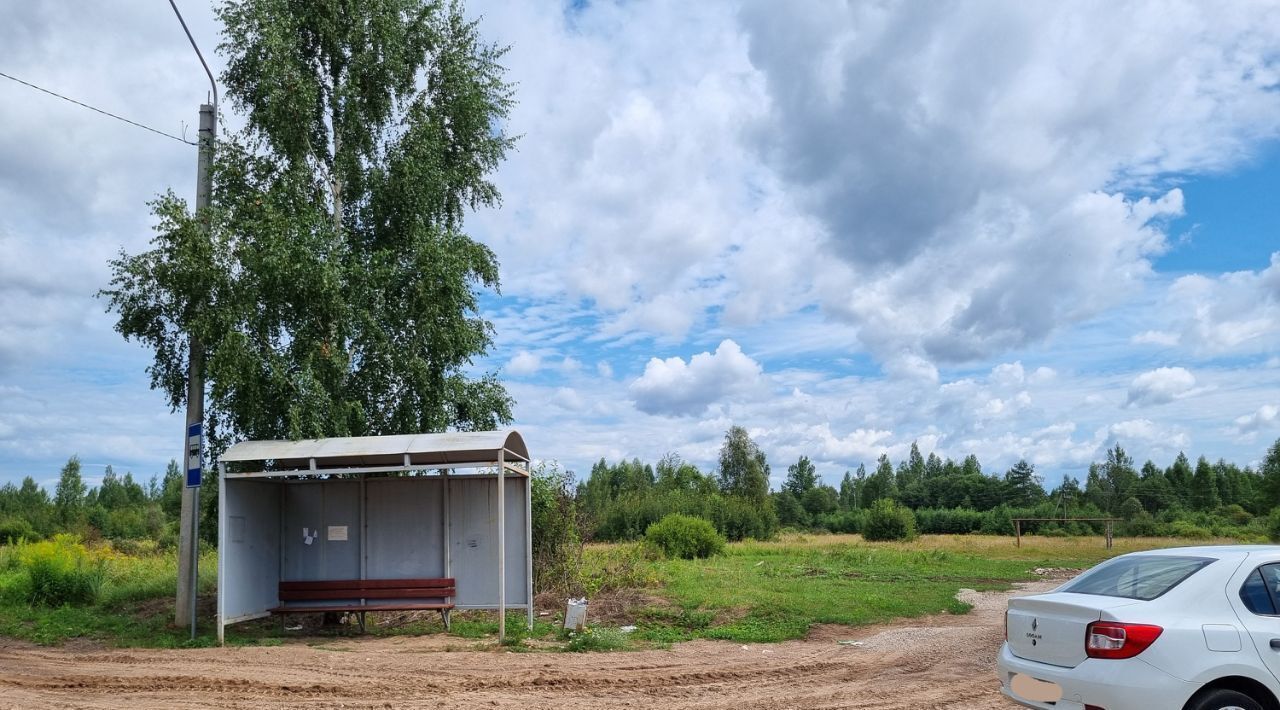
<point>1112,639</point>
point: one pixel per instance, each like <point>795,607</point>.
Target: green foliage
<point>848,522</point>
<point>612,567</point>
<point>1273,525</point>
<point>744,471</point>
<point>684,537</point>
<point>68,499</point>
<point>949,521</point>
<point>820,500</point>
<point>886,520</point>
<point>557,543</point>
<point>801,477</point>
<point>60,571</point>
<point>595,638</point>
<point>14,530</point>
<point>790,512</point>
<point>738,518</point>
<point>330,289</point>
<point>1023,485</point>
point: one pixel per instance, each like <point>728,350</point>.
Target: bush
<point>886,520</point>
<point>738,518</point>
<point>1186,528</point>
<point>948,521</point>
<point>557,543</point>
<point>1273,525</point>
<point>847,522</point>
<point>685,537</point>
<point>61,571</point>
<point>15,530</point>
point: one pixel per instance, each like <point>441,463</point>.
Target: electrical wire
<point>93,108</point>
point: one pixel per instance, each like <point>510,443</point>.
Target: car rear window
<point>1142,577</point>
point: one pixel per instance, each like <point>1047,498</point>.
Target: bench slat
<point>310,585</point>
<point>406,593</point>
<point>357,607</point>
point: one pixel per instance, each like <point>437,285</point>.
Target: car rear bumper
<point>1130,684</point>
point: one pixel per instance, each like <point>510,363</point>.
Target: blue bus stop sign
<point>194,437</point>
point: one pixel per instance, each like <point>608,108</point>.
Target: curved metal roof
<point>421,449</point>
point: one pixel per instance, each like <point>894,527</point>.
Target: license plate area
<point>1041,691</point>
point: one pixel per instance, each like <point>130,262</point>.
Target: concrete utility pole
<point>189,530</point>
<point>192,443</point>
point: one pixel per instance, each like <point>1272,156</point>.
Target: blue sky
<point>1012,230</point>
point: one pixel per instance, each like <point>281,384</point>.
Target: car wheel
<point>1223,699</point>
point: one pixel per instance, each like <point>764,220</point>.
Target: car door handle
<point>1275,644</point>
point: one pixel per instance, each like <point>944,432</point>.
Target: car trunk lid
<point>1050,628</point>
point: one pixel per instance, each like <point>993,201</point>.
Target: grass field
<point>754,592</point>
<point>771,591</point>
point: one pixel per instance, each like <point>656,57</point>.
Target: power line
<point>92,108</point>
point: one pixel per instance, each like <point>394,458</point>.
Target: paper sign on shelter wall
<point>338,532</point>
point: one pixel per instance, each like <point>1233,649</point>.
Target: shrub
<point>738,518</point>
<point>685,537</point>
<point>886,520</point>
<point>15,530</point>
<point>1273,525</point>
<point>948,521</point>
<point>848,522</point>
<point>61,571</point>
<point>557,544</point>
<point>1186,528</point>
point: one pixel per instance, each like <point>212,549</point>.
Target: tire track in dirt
<point>939,662</point>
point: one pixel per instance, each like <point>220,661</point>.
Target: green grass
<point>754,592</point>
<point>773,591</point>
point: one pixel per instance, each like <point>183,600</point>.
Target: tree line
<point>618,501</point>
<point>119,508</point>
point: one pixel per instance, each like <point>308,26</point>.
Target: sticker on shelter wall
<point>309,536</point>
<point>338,532</point>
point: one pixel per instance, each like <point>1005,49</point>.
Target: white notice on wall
<point>338,532</point>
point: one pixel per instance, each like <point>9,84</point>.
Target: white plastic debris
<point>626,629</point>
<point>849,643</point>
<point>575,614</point>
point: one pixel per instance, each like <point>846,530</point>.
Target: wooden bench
<point>364,595</point>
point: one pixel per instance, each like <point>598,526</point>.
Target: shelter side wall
<point>320,530</point>
<point>252,548</point>
<point>473,505</point>
<point>404,537</point>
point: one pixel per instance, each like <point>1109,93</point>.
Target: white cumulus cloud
<point>1160,386</point>
<point>674,387</point>
<point>1267,416</point>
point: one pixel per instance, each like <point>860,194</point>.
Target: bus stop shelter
<point>451,505</point>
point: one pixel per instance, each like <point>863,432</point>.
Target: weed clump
<point>685,537</point>
<point>594,638</point>
<point>61,571</point>
<point>889,521</point>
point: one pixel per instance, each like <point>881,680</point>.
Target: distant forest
<point>1199,500</point>
<point>617,502</point>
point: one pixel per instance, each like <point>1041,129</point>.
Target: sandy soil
<point>938,662</point>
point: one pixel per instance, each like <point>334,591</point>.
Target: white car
<point>1189,628</point>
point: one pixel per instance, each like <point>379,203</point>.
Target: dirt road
<point>939,662</point>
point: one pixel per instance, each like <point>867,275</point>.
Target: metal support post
<point>502,549</point>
